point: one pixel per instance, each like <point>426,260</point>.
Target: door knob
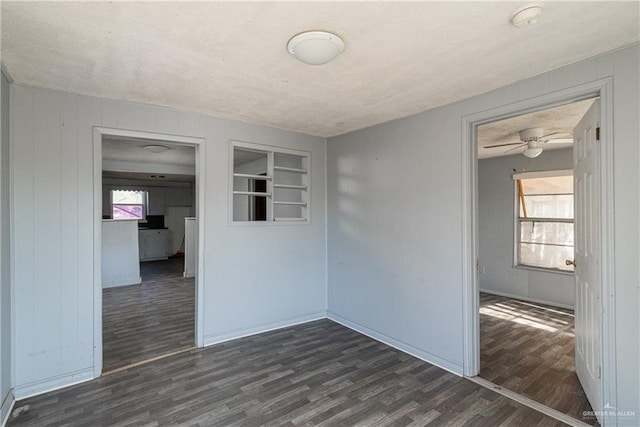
<point>570,262</point>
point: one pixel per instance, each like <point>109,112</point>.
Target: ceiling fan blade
<point>515,148</point>
<point>559,141</point>
<point>547,136</point>
<point>503,145</point>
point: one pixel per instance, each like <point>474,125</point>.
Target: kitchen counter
<point>120,265</point>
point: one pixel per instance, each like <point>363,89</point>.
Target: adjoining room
<point>148,211</point>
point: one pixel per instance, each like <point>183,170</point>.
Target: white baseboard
<point>54,383</point>
<point>538,301</point>
<point>8,402</point>
<point>245,332</point>
<point>448,365</point>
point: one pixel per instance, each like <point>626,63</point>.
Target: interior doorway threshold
<point>529,402</point>
<point>146,361</point>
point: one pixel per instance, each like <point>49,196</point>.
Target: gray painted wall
<point>395,221</point>
<point>495,231</point>
<point>54,219</point>
<point>5,256</point>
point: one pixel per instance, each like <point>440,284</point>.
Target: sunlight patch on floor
<point>516,317</point>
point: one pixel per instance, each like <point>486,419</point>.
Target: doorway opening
<point>520,304</point>
<point>148,273</point>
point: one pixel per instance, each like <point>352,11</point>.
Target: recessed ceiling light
<point>154,148</point>
<point>315,47</point>
<point>526,15</point>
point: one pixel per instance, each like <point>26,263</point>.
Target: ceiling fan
<point>533,139</point>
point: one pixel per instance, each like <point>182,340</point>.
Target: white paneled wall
<point>495,231</point>
<point>256,278</point>
<point>6,398</point>
<point>395,221</point>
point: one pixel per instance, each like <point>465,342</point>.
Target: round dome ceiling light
<point>533,150</point>
<point>156,148</point>
<point>526,15</point>
<point>315,47</point>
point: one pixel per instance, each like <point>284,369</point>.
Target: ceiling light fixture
<point>315,47</point>
<point>532,150</point>
<point>525,15</point>
<point>154,148</point>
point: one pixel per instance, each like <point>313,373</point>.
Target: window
<point>544,223</point>
<point>269,184</point>
<point>128,204</point>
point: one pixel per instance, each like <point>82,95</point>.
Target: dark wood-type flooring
<point>317,373</point>
<point>147,320</point>
<point>528,348</point>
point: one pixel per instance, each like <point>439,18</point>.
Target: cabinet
<point>178,197</point>
<point>156,200</point>
<point>153,244</point>
<point>120,264</point>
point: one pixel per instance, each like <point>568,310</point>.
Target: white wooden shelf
<point>295,187</point>
<point>248,175</point>
<point>290,203</point>
<point>295,170</point>
<point>251,193</point>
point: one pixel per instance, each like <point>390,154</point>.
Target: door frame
<point>199,145</point>
<point>471,318</point>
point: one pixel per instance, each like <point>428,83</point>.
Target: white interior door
<point>588,309</point>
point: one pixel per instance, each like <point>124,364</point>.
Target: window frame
<point>145,205</point>
<point>517,220</point>
<point>270,151</point>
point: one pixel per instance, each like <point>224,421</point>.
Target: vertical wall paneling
<point>23,233</point>
<point>47,233</point>
<point>54,248</point>
<point>6,396</point>
<point>167,122</point>
<point>625,136</point>
<point>69,280</point>
<point>422,283</point>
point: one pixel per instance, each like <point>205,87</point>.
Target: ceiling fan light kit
<point>532,134</point>
<point>526,15</point>
<point>532,150</point>
<point>532,139</point>
<point>315,47</point>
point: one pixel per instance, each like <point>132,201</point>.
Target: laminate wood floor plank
<point>528,348</point>
<point>143,321</point>
<point>318,373</point>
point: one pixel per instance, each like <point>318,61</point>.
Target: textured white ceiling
<point>134,151</point>
<point>119,150</point>
<point>562,119</point>
<point>229,59</point>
